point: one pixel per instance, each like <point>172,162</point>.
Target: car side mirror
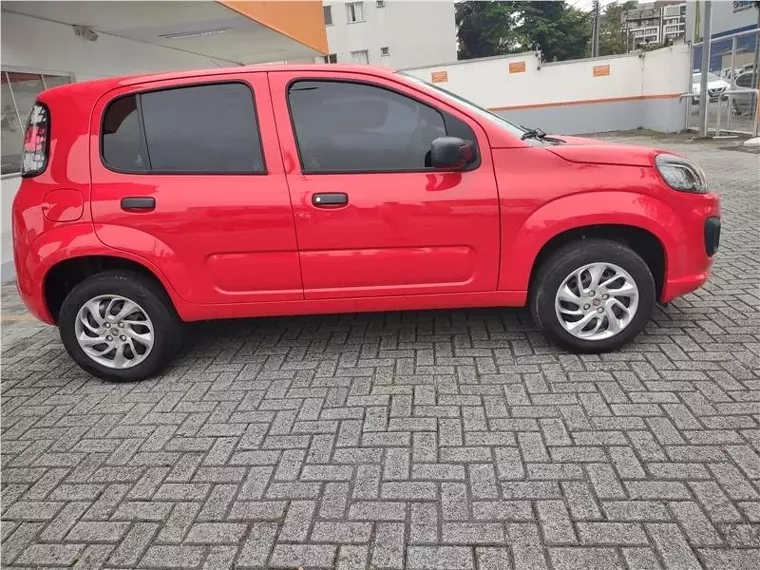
<point>451,153</point>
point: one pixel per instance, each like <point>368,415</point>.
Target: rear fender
<point>522,246</point>
<point>139,245</point>
<point>65,243</point>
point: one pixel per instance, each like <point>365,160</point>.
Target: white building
<point>391,33</point>
<point>655,23</point>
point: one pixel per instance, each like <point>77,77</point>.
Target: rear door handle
<point>329,199</point>
<point>138,204</point>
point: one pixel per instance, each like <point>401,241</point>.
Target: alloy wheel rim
<point>597,301</point>
<point>114,331</point>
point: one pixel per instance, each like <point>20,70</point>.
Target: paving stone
<point>50,554</point>
<point>352,557</point>
<point>215,533</point>
<point>641,558</point>
<point>490,558</point>
<point>389,546</point>
<point>256,549</point>
<point>611,533</point>
<point>672,546</point>
<point>97,531</point>
<point>163,556</point>
<point>341,532</point>
<point>131,549</point>
<point>424,524</point>
<point>472,533</point>
<point>303,555</point>
<point>576,558</point>
<point>555,522</point>
<point>437,557</point>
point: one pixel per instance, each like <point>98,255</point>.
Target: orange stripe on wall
<point>301,20</point>
<point>588,102</point>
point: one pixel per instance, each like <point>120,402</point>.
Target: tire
<point>161,324</point>
<point>548,313</point>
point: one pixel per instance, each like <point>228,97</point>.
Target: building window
<point>200,129</point>
<point>19,92</point>
<point>361,57</point>
<point>381,3</point>
<point>327,10</point>
<point>385,51</point>
<point>355,12</point>
<point>332,58</point>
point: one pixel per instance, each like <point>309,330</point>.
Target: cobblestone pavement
<point>422,440</point>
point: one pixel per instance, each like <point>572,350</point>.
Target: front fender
<point>522,245</point>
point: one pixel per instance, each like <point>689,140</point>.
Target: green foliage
<point>497,28</point>
<point>612,35</point>
<point>487,28</point>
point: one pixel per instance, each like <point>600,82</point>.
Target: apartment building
<point>391,33</point>
<point>654,23</point>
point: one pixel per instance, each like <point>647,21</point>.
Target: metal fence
<point>732,85</point>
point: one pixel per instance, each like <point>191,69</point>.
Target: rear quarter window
<point>198,129</point>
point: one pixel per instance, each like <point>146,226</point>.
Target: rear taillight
<point>36,142</point>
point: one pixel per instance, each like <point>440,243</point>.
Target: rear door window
<point>123,145</point>
<point>199,129</point>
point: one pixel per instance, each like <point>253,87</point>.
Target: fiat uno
<point>148,202</point>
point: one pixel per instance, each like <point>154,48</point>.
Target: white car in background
<point>715,86</point>
<point>744,103</point>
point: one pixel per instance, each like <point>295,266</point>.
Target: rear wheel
<point>119,326</point>
<point>593,295</point>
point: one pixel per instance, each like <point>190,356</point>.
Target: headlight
<point>681,174</point>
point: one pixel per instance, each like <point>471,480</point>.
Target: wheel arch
<point>642,241</point>
<point>66,274</point>
<point>626,217</point>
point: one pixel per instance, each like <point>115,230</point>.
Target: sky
<point>585,5</point>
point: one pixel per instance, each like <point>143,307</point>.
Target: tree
<point>497,28</point>
<point>559,31</point>
<point>613,38</point>
<point>486,28</point>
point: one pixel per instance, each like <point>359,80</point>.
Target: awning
<point>228,32</point>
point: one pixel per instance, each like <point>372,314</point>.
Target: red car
<point>151,201</point>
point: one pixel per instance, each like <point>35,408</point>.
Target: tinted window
<point>744,80</point>
<point>344,127</point>
<point>123,146</point>
<point>204,128</point>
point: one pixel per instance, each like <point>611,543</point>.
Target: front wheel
<point>593,295</point>
<point>119,326</point>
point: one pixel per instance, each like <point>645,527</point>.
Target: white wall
<point>31,44</point>
<point>418,32</point>
<point>489,83</point>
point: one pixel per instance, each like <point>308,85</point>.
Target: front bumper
<point>712,235</point>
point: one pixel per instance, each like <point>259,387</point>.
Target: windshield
<point>515,130</point>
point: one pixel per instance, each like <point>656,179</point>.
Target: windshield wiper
<point>533,134</point>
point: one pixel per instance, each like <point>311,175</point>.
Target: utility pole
<point>595,36</point>
<point>704,96</point>
<point>756,71</point>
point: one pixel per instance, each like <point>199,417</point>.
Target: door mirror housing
<point>451,153</point>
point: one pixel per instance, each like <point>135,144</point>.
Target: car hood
<point>590,151</point>
<point>719,84</point>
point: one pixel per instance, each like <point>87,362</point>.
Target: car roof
<point>106,84</point>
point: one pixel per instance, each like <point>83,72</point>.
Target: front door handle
<point>138,204</point>
<point>329,199</point>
